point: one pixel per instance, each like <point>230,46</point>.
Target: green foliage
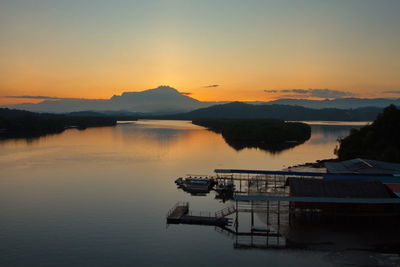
<point>380,140</point>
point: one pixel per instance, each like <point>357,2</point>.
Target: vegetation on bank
<point>19,123</point>
<point>268,134</point>
<point>379,140</point>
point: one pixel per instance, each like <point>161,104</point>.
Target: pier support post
<point>279,214</point>
<point>252,214</point>
<point>237,217</point>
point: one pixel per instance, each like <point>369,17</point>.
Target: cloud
<point>319,93</point>
<point>297,91</point>
<point>185,93</point>
<point>210,86</point>
<point>391,92</point>
<point>40,97</point>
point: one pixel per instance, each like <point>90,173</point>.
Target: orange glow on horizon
<point>239,52</point>
<point>218,95</point>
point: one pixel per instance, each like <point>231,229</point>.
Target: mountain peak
<point>158,99</point>
<point>160,90</point>
<point>165,88</point>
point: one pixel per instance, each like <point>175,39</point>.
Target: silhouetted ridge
<point>340,103</point>
<point>17,123</point>
<point>167,100</point>
<point>238,110</point>
<point>163,99</point>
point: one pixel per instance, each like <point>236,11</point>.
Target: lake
<point>99,197</point>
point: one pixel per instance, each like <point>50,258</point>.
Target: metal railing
<point>178,204</point>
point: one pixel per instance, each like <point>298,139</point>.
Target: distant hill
<point>340,103</point>
<point>163,99</point>
<point>118,115</point>
<point>239,110</point>
<point>17,123</point>
<point>167,100</point>
<point>379,141</point>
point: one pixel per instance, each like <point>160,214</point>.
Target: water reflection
<point>194,149</point>
<point>28,138</point>
<point>323,134</point>
<point>98,197</point>
<point>160,133</point>
<point>271,148</point>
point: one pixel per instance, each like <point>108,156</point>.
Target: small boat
<point>195,184</point>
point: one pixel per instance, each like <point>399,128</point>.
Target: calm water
<point>99,197</point>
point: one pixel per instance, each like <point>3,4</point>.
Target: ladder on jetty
<point>179,213</point>
<point>225,212</point>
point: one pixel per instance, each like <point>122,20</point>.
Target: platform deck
<point>179,214</point>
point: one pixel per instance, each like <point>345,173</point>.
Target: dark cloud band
<point>321,93</point>
<point>185,93</point>
<point>392,92</point>
<point>41,97</point>
<point>210,86</point>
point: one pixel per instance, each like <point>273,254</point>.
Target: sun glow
<point>109,49</point>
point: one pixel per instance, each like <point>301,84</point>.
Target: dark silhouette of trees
<point>380,140</point>
<point>267,134</point>
<point>18,123</point>
<point>239,110</point>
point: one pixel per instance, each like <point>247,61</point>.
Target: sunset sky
<point>213,49</point>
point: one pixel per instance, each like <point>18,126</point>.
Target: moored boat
<point>195,184</point>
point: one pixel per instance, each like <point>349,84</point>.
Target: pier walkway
<point>180,214</point>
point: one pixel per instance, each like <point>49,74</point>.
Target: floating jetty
<point>279,200</point>
<point>180,214</point>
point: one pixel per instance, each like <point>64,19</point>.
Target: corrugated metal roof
<point>363,166</point>
<point>309,187</point>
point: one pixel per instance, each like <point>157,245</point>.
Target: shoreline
<point>318,164</point>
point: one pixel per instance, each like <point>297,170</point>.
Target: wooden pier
<point>180,214</point>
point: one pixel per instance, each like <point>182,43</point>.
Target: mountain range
<point>168,100</point>
<point>340,103</point>
<point>160,100</point>
<point>239,110</point>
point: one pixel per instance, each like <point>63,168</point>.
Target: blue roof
<point>318,199</point>
<point>312,174</point>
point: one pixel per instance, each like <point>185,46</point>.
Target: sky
<point>215,50</point>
